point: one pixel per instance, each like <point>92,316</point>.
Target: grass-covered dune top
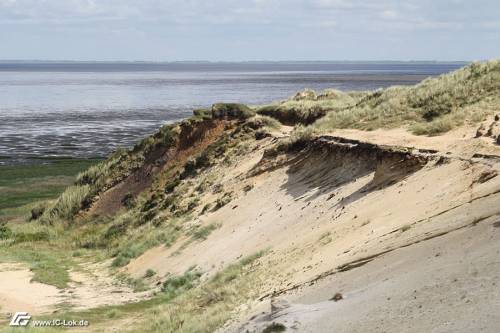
<point>431,107</point>
<point>307,106</point>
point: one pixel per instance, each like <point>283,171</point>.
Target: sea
<point>88,109</point>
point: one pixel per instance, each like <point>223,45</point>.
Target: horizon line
<point>41,61</point>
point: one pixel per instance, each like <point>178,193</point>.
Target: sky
<point>241,30</point>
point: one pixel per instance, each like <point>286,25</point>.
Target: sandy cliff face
<point>405,236</point>
<point>361,231</point>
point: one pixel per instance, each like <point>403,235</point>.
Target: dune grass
<point>306,107</point>
<point>68,204</point>
<point>434,106</point>
<point>262,121</point>
<point>209,305</point>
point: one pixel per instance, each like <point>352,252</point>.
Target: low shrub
<point>128,200</point>
<point>261,121</point>
<point>232,111</point>
<point>206,208</point>
<point>5,232</point>
<point>299,138</point>
<point>176,285</point>
<point>305,107</point>
<point>37,212</point>
<point>224,200</point>
<point>21,237</point>
<point>202,113</point>
<point>149,273</point>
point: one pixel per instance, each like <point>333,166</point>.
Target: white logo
<point>20,319</point>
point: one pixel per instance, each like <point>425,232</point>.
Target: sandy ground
<point>458,143</point>
<point>18,293</point>
<point>446,284</point>
<point>89,288</point>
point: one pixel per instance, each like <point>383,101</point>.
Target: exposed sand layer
<point>405,235</point>
<point>446,284</point>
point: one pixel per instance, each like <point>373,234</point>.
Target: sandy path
<point>91,288</point>
<point>18,293</point>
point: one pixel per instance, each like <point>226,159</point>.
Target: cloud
<point>336,26</point>
<point>422,14</point>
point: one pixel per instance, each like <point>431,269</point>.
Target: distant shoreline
<point>35,61</point>
<point>207,66</point>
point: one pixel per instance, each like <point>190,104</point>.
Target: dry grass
<point>68,204</point>
<point>306,107</point>
<point>299,137</point>
<point>207,307</point>
<point>434,106</point>
<point>261,121</point>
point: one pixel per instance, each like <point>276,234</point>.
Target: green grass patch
<point>48,266</point>
<point>21,185</point>
<point>176,285</point>
<point>202,232</point>
<point>133,242</point>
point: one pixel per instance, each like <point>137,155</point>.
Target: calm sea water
<point>90,109</point>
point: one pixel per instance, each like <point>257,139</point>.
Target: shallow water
<point>90,109</point>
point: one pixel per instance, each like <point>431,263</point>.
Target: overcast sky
<point>167,30</point>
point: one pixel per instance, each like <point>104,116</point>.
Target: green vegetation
<point>217,297</point>
<point>223,200</point>
<point>149,273</point>
<point>261,121</point>
<point>177,285</point>
<point>306,107</point>
<point>47,266</point>
<point>69,203</point>
<point>325,238</point>
<point>126,243</point>
<point>274,328</point>
<point>137,285</point>
<point>431,107</point>
<point>232,111</point>
<point>186,303</point>
<point>298,139</point>
<point>22,185</point>
<point>202,114</point>
<point>106,174</point>
<point>202,232</point>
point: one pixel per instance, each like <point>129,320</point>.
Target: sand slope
<point>407,236</point>
<point>405,229</point>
